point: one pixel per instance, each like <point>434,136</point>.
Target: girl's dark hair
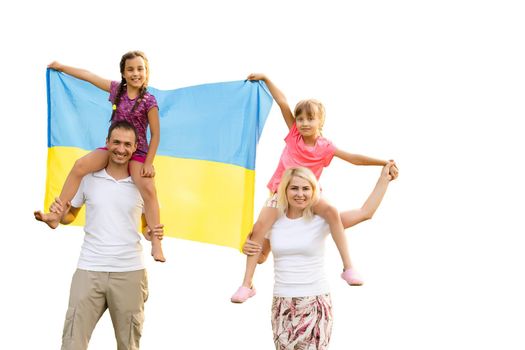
<point>122,85</point>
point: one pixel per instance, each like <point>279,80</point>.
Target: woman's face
<point>299,194</point>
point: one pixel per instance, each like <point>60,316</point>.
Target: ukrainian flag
<point>205,162</point>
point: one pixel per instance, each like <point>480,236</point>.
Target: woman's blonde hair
<point>303,173</point>
<point>312,108</point>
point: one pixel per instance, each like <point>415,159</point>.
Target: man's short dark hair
<point>122,124</point>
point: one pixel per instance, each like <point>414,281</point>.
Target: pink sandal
<point>242,294</point>
<point>352,277</point>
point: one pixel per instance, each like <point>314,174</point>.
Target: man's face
<point>121,145</point>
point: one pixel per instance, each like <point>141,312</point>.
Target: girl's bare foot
<point>51,219</point>
<point>156,251</point>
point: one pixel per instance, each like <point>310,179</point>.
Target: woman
<point>301,308</point>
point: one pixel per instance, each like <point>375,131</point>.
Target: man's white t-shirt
<point>113,213</point>
<point>298,253</point>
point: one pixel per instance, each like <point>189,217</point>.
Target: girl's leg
<point>93,161</point>
<point>331,215</point>
<point>267,218</point>
<point>146,186</point>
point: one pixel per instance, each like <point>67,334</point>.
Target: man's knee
<point>77,330</point>
<point>86,305</point>
<point>128,331</point>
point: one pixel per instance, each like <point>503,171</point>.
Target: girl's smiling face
<point>135,72</point>
<point>308,125</point>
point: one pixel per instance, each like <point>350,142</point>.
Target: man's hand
<point>59,208</point>
<point>157,231</point>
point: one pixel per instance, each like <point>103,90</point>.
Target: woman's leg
<point>146,186</point>
<point>302,322</point>
<point>93,161</point>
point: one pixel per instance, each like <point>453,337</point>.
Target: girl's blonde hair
<point>312,108</point>
<point>303,173</point>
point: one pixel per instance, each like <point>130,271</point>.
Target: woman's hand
<point>251,247</point>
<point>147,170</point>
<point>394,171</point>
<point>390,171</point>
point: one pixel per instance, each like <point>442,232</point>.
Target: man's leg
<point>87,303</point>
<point>127,293</point>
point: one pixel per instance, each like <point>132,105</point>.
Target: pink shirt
<point>297,153</point>
<point>139,117</point>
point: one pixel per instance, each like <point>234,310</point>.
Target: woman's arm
<point>82,74</point>
<point>278,96</point>
<point>366,212</point>
<point>154,128</point>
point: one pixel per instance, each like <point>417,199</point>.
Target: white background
<point>436,85</point>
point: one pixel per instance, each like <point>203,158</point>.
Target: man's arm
<point>66,212</point>
<point>147,232</point>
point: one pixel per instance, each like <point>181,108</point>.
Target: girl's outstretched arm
<point>278,96</point>
<point>82,74</point>
<point>358,159</point>
<point>154,128</point>
<point>366,212</point>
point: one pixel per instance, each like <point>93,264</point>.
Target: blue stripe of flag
<point>219,122</point>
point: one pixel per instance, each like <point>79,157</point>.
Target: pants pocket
<point>69,323</point>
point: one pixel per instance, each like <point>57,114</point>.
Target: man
<point>110,273</point>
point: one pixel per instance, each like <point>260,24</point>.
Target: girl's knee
<point>330,212</point>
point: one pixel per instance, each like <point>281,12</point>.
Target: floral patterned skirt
<point>303,323</point>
